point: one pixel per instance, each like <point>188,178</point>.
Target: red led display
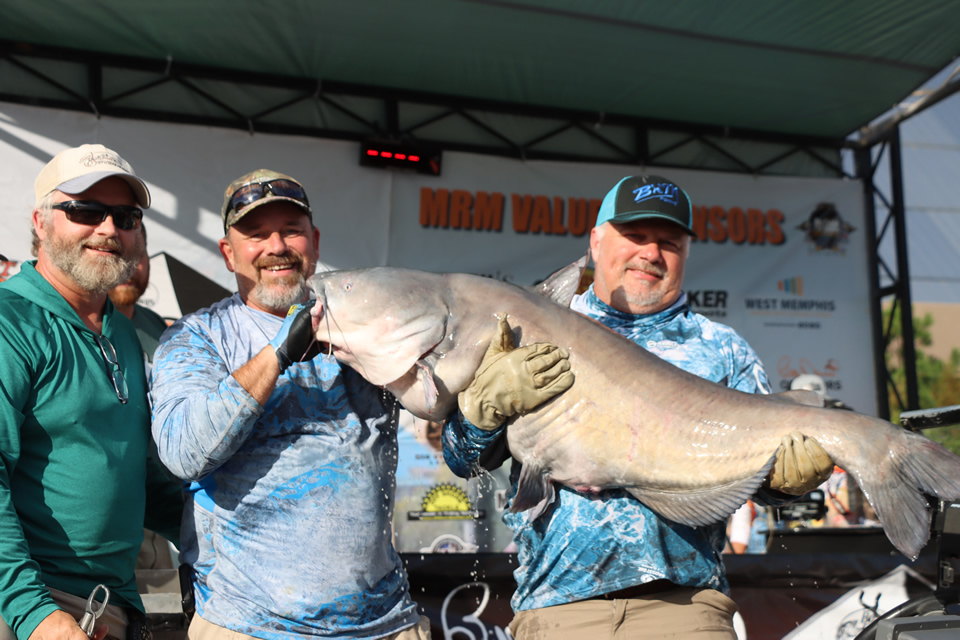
<point>402,156</point>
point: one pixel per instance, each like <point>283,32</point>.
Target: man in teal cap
<point>607,566</point>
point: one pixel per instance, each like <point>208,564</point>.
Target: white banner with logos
<point>782,260</point>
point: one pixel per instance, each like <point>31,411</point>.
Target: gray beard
<point>643,298</point>
<point>648,299</point>
<point>94,274</point>
<point>279,298</point>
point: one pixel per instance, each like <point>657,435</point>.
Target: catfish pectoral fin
<point>534,491</point>
<point>430,392</point>
<point>705,506</point>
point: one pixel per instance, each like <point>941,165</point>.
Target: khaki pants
<point>702,614</point>
<point>113,616</point>
<point>200,629</point>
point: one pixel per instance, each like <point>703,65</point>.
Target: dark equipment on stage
<point>946,519</point>
<point>810,506</point>
<point>932,616</point>
<point>400,155</point>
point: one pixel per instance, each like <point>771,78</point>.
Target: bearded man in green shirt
<point>75,478</point>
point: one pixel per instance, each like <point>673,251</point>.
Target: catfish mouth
<point>374,356</point>
<point>317,316</point>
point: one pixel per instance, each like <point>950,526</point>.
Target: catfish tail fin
<point>916,466</point>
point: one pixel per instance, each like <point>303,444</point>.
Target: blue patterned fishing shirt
<point>289,506</point>
<point>586,545</point>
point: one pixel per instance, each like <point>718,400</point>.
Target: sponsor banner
<point>779,259</point>
<point>782,260</point>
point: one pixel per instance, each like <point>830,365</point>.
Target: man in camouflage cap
<point>290,457</point>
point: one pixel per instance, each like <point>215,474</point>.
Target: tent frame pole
<point>899,287</point>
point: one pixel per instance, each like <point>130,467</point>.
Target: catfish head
<point>392,326</point>
<point>421,335</point>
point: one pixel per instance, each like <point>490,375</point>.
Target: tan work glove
<point>511,381</point>
<point>801,465</point>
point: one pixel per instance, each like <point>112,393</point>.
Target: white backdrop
<point>804,309</point>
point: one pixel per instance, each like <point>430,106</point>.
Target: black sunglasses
<point>93,213</point>
<point>250,193</point>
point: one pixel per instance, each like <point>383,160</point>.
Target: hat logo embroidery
<point>92,159</point>
<point>663,191</point>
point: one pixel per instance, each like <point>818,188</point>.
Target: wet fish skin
<point>690,449</point>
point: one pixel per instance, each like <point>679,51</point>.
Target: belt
<point>637,591</point>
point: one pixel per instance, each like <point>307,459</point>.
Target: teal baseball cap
<point>641,197</point>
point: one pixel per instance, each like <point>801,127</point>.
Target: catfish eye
<point>347,286</point>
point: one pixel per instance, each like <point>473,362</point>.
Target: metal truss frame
<point>868,158</point>
<point>878,139</point>
<point>78,80</point>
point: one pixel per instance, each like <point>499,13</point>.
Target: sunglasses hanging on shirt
<point>113,369</point>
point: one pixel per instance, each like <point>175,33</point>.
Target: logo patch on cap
<point>93,159</point>
<point>75,170</point>
<point>653,197</point>
<point>663,191</point>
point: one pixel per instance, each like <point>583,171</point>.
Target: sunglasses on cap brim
<point>93,213</point>
<point>250,193</point>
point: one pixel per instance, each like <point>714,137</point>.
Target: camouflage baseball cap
<point>249,191</point>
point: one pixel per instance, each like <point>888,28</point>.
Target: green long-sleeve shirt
<point>74,473</point>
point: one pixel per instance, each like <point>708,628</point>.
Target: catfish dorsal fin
<point>562,285</point>
<point>799,396</point>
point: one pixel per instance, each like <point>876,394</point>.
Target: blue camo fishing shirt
<point>583,546</point>
<point>289,506</point>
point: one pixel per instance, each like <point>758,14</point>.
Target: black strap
<point>138,628</point>
<point>496,454</point>
<point>186,590</point>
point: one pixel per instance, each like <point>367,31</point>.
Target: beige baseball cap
<point>75,170</point>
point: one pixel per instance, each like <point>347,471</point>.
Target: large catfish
<point>688,448</point>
